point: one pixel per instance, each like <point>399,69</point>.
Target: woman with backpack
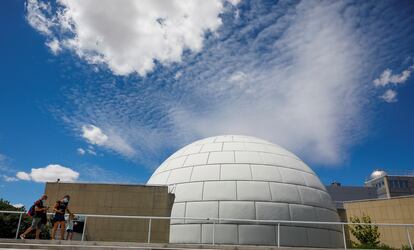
<point>38,213</point>
<point>60,209</point>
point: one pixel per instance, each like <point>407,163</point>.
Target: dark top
<point>61,206</point>
<point>39,214</point>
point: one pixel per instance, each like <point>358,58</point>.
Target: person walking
<point>39,217</point>
<point>69,227</point>
<point>60,209</point>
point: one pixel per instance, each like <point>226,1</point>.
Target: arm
<point>56,208</point>
<point>67,209</point>
<point>38,208</point>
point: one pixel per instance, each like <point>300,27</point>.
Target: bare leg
<point>62,230</point>
<point>28,230</point>
<point>71,235</point>
<point>54,230</point>
<point>38,234</point>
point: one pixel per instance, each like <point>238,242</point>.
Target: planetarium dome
<point>243,177</point>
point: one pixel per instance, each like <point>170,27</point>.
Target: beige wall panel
<point>394,210</point>
<point>113,199</point>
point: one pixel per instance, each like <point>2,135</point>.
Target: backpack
<point>31,211</point>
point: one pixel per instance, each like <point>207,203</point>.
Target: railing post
<point>84,228</point>
<point>278,235</point>
<point>409,237</point>
<point>18,225</point>
<point>214,232</point>
<point>149,230</point>
<point>343,235</point>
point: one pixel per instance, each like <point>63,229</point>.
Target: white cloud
<point>90,150</point>
<point>389,96</point>
<point>49,173</point>
<point>237,77</point>
<point>304,91</point>
<point>94,134</point>
<point>110,139</point>
<point>18,205</point>
<point>81,151</point>
<point>9,178</point>
<point>37,16</point>
<point>54,46</point>
<point>387,77</point>
<point>23,176</point>
<point>128,36</point>
<point>303,68</point>
<point>178,75</point>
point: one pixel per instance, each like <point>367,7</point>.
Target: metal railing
<point>215,221</point>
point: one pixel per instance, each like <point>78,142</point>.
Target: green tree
<point>367,235</point>
<point>8,222</point>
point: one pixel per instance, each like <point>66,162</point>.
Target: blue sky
<point>106,93</point>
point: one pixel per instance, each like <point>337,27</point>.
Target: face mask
<point>43,202</point>
<point>65,200</point>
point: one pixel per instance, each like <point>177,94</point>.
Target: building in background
<point>391,185</point>
<point>117,199</point>
<point>387,210</point>
<point>341,194</point>
<point>385,199</point>
<point>239,177</point>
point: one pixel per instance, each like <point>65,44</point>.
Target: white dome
<point>242,177</point>
<point>377,174</point>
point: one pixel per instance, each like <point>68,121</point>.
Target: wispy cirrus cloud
<point>5,169</point>
<point>94,173</point>
<point>90,150</point>
<point>2,161</point>
<point>7,178</point>
<point>298,74</point>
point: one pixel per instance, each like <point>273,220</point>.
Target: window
<point>404,183</point>
<point>394,184</point>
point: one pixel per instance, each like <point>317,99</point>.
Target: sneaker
<point>22,236</point>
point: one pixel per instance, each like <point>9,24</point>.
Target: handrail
<point>226,219</point>
<point>215,221</point>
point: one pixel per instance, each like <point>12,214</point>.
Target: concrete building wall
<point>340,194</point>
<point>392,185</point>
<point>394,210</point>
<point>116,199</point>
<point>400,185</point>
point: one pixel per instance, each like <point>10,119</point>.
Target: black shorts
<point>59,217</point>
